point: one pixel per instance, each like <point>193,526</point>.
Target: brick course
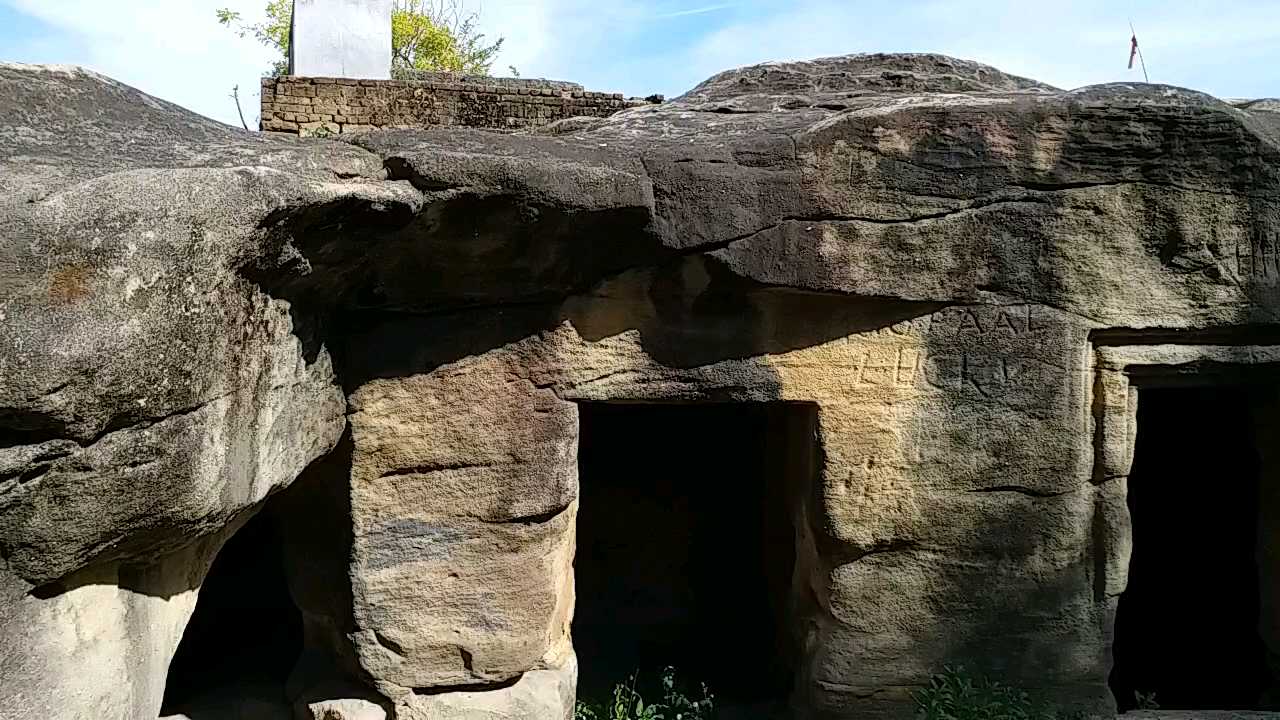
<point>316,105</point>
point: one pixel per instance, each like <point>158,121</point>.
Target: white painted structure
<point>341,38</point>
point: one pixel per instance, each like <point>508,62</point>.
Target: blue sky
<point>174,48</point>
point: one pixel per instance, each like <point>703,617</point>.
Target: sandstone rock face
<point>938,257</point>
<point>538,694</point>
<point>348,709</point>
<point>150,395</point>
<point>103,646</point>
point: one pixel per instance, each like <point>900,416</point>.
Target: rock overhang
<point>915,177</point>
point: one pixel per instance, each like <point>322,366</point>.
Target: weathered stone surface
<point>463,541</point>
<point>149,392</point>
<point>537,695</point>
<point>63,125</point>
<point>989,232</point>
<point>101,645</point>
<point>302,105</point>
<point>924,249</point>
<point>347,709</point>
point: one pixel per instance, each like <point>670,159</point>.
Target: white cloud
<point>526,29</point>
<point>174,49</point>
<point>559,39</point>
<point>694,11</point>
<point>1217,47</point>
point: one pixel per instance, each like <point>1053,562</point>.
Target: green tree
<point>274,32</point>
<point>425,35</point>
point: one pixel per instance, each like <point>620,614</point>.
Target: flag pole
<point>1138,48</point>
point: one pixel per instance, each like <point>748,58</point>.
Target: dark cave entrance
<point>687,546</point>
<point>245,635</point>
<point>1188,629</point>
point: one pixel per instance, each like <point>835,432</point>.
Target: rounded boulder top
<point>862,74</point>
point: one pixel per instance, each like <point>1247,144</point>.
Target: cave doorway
<point>245,635</point>
<point>687,544</point>
<point>1188,631</point>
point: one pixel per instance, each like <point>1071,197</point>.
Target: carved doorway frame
<point>1122,365</point>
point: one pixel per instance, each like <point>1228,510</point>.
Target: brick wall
<point>314,105</point>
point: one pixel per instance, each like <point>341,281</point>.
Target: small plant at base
<point>1146,701</point>
<point>678,706</point>
<point>628,704</point>
<point>954,694</point>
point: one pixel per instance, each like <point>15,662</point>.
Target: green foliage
<point>438,35</point>
<point>1145,701</point>
<point>274,32</point>
<point>627,703</point>
<point>435,35</point>
<point>954,694</point>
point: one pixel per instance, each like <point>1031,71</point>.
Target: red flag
<point>1133,49</point>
